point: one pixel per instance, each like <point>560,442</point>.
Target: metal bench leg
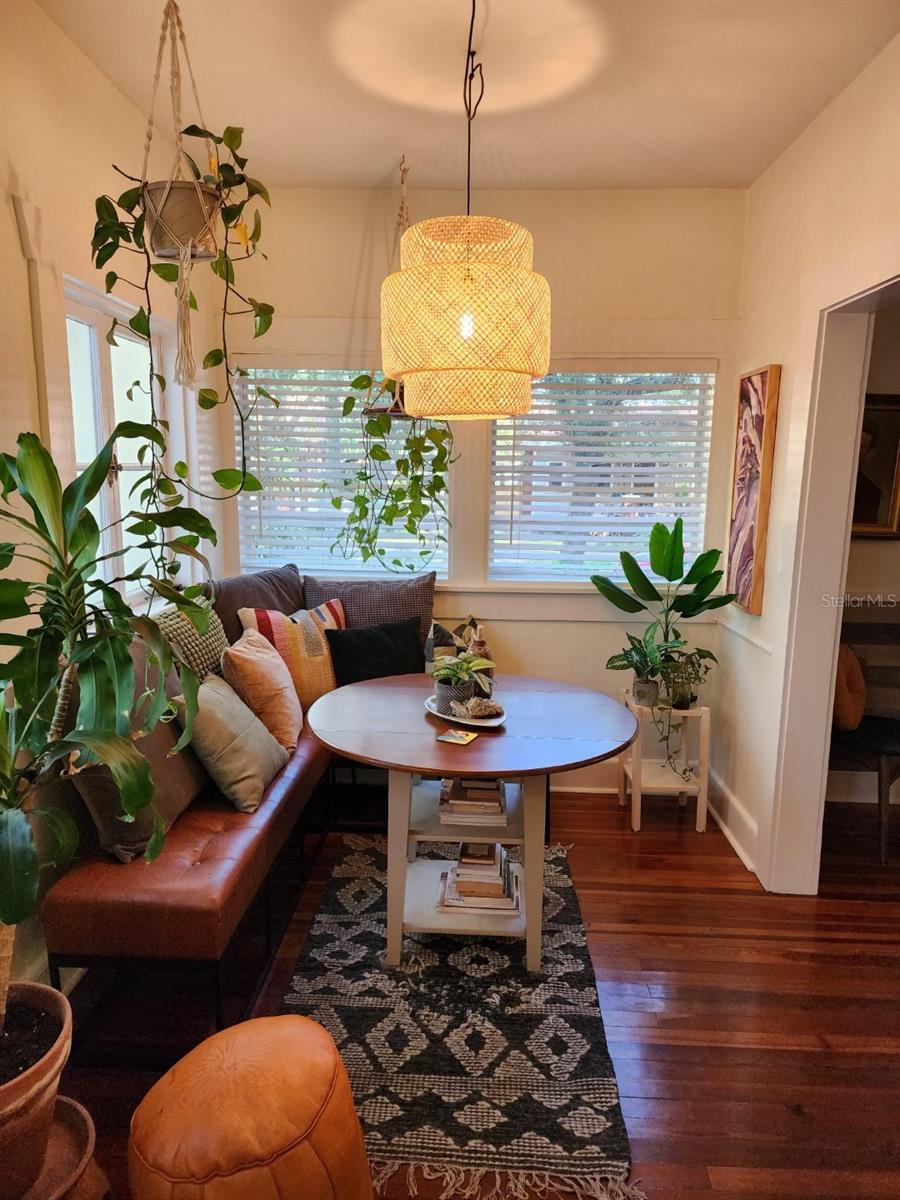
<point>55,981</point>
<point>218,994</point>
<point>886,771</point>
<point>267,915</point>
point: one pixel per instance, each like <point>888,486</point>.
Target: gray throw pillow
<point>370,602</point>
<point>239,753</point>
<point>280,588</point>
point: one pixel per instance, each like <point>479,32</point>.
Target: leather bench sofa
<point>187,906</point>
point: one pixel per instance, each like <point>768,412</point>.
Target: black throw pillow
<point>394,648</point>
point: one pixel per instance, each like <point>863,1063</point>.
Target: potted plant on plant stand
<point>71,621</point>
<point>679,596</point>
<point>645,656</point>
<point>455,679</point>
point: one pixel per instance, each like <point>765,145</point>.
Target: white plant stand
<point>655,777</point>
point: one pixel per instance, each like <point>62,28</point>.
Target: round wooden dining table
<point>549,728</point>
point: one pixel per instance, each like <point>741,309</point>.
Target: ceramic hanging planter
<point>179,213</point>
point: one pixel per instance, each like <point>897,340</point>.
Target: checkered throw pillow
<point>370,602</point>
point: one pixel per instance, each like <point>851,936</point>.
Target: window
<point>598,460</point>
<point>292,449</point>
<point>100,375</point>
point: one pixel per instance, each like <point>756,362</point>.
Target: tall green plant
<point>661,652</point>
<point>670,602</point>
<point>400,485</point>
<point>77,625</point>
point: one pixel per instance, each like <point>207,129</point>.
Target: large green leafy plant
<point>401,484</point>
<point>661,652</point>
<point>67,620</point>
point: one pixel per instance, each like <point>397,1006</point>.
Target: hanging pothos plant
<point>121,228</point>
<point>400,488</point>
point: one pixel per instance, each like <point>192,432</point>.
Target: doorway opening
<point>820,583</point>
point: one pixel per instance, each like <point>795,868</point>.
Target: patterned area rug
<point>466,1068</point>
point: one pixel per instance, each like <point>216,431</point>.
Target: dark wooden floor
<point>756,1038</point>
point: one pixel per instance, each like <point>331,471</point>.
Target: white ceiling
<point>579,93</point>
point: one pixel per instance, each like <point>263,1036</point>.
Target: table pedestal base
<point>401,853</point>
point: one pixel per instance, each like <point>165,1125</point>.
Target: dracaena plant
<point>119,233</point>
<point>401,484</point>
<point>63,620</point>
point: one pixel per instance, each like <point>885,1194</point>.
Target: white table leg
<point>535,791</point>
<point>399,796</point>
<point>703,771</point>
<point>636,764</point>
<point>622,759</point>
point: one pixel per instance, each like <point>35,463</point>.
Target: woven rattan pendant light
<point>465,322</point>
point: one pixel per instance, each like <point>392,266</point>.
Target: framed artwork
<point>751,488</point>
<point>876,501</point>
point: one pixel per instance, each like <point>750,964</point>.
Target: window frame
<point>467,584</point>
<point>87,307</point>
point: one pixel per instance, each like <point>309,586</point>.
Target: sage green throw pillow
<point>240,755</point>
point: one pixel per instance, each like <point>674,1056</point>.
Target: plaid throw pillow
<point>370,602</point>
<point>300,640</point>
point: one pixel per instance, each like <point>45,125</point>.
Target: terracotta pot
<point>27,1102</point>
<point>182,218</point>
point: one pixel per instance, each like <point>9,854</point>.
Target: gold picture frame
<point>751,485</point>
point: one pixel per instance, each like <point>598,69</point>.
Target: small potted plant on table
<point>455,679</point>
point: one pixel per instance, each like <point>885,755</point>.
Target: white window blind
<point>292,449</point>
<point>588,471</point>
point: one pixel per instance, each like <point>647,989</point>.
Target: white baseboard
<point>856,787</point>
<point>587,791</point>
<point>739,827</point>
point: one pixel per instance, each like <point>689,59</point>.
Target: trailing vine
<point>401,483</point>
<point>120,228</point>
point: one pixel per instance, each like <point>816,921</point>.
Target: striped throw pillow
<point>301,642</point>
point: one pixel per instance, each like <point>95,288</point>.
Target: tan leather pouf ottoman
<point>260,1111</point>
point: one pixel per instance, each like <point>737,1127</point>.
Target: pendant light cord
<point>471,102</point>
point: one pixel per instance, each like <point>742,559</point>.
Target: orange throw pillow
<point>301,642</point>
<point>849,691</point>
<point>257,672</point>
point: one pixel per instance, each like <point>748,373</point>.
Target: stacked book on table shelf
<point>473,802</point>
<point>480,880</point>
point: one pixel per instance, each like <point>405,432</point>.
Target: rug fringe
<point>473,1183</point>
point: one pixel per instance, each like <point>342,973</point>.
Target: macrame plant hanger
<point>181,211</point>
<point>396,409</point>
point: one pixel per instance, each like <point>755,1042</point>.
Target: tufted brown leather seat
<point>189,902</point>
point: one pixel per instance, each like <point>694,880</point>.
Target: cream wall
<point>646,276</point>
<point>823,224</point>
